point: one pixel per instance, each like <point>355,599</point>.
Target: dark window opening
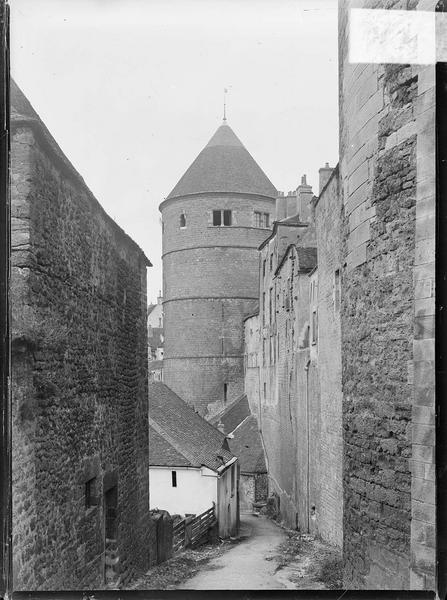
<point>174,478</point>
<point>265,390</point>
<point>267,219</point>
<point>263,268</point>
<point>182,220</point>
<point>225,391</point>
<point>222,217</point>
<point>90,493</point>
<point>233,479</point>
<point>271,262</point>
<point>314,327</point>
<point>337,290</point>
<point>111,504</point>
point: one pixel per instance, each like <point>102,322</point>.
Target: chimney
<point>325,173</point>
<point>281,206</point>
<point>304,197</point>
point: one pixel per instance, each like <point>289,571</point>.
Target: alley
<point>248,565</point>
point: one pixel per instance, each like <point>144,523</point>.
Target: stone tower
<point>214,219</point>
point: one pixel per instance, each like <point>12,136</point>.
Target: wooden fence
<point>191,531</point>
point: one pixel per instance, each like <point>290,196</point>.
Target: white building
<point>190,463</point>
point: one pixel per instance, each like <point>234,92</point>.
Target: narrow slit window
<point>182,221</point>
<point>267,219</point>
<point>225,391</point>
<point>90,493</point>
<point>337,290</point>
<point>227,218</point>
<point>174,478</point>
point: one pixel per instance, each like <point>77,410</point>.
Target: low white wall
<point>195,491</point>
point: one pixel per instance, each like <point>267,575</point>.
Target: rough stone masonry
<point>79,376</point>
<point>387,168</point>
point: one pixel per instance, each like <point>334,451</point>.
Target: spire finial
<point>225,106</point>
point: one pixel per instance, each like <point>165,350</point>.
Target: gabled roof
<point>233,414</point>
<point>307,258</point>
<point>247,446</point>
<point>189,435</point>
<point>224,165</point>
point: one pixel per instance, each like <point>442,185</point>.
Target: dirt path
<point>250,564</point>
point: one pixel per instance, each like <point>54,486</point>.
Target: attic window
<point>222,218</point>
<point>182,221</point>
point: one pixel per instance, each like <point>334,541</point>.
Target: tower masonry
<point>214,220</point>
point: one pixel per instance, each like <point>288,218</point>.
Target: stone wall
<point>79,375</point>
<point>210,278</point>
<point>328,216</point>
<point>387,175</point>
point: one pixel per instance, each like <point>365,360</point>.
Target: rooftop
<point>191,440</point>
<point>224,165</point>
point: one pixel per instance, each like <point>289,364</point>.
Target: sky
<point>132,90</point>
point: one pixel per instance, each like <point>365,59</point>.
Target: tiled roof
<point>185,430</point>
<point>224,165</point>
<point>247,446</point>
<point>233,415</point>
<point>307,258</point>
<point>162,453</point>
<point>294,220</point>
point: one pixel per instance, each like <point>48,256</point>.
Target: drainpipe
<point>306,368</point>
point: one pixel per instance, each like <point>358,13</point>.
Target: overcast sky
<point>132,90</point>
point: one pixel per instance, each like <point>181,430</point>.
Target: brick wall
<point>386,166</point>
<point>79,375</point>
<point>210,279</point>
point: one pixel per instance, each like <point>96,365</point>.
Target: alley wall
<point>387,316</point>
<point>79,373</point>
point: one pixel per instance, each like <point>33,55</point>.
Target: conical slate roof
<point>224,165</point>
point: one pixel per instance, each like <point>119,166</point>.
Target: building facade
<point>213,222</point>
<point>293,364</point>
<point>387,171</point>
<point>192,467</point>
<point>80,490</point>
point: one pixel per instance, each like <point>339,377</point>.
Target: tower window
<point>174,478</point>
<point>222,218</point>
<point>182,220</point>
<point>261,219</point>
<point>225,391</point>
